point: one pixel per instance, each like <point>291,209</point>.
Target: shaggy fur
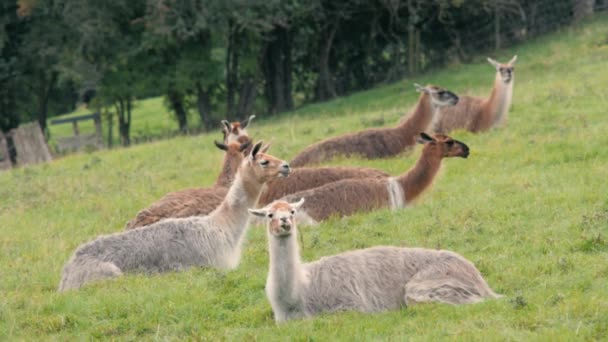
<point>349,196</point>
<point>308,178</point>
<point>177,244</point>
<point>367,280</point>
<point>197,201</point>
<point>381,142</point>
<point>477,114</point>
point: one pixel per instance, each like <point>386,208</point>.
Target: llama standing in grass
<point>477,114</point>
<point>236,131</point>
<point>176,244</point>
<point>381,142</point>
<point>367,280</point>
<point>349,196</point>
<point>196,201</point>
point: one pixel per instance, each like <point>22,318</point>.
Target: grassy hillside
<point>529,207</point>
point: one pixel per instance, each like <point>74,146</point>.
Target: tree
<point>110,55</point>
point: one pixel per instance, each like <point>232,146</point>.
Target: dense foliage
<point>231,58</point>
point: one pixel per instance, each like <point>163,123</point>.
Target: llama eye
<point>270,215</point>
<point>293,212</point>
<point>264,163</point>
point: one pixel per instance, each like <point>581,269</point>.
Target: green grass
<point>529,207</point>
<point>151,118</point>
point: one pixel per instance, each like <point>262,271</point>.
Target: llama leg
<point>79,272</point>
<point>447,286</point>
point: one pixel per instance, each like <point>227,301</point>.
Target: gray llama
<point>179,243</point>
<point>367,280</point>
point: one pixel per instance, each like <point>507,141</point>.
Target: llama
<point>236,131</point>
<point>196,201</point>
<point>381,142</point>
<point>308,178</point>
<point>177,244</point>
<point>349,196</point>
<point>367,280</point>
<point>477,114</point>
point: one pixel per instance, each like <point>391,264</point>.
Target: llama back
<point>371,144</point>
<point>387,278</point>
<point>461,116</point>
<point>172,244</point>
<point>368,280</point>
<point>309,178</point>
<point>341,198</point>
<point>179,204</point>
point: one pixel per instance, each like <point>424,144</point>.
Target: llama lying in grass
<point>196,201</point>
<point>367,280</point>
<point>176,244</point>
<point>308,178</point>
<point>477,114</point>
<point>349,196</point>
<point>236,131</point>
<point>381,142</point>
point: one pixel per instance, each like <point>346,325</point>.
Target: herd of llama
<point>206,227</point>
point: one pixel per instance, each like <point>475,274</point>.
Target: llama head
<point>280,217</point>
<point>440,97</point>
<point>443,146</point>
<point>236,131</point>
<point>262,166</point>
<point>505,70</point>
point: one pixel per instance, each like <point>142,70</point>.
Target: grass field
<point>529,207</point>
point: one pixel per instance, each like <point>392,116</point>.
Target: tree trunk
<point>203,104</point>
<point>110,128</point>
<point>232,71</point>
<point>176,99</point>
<point>496,27</point>
<point>247,97</point>
<point>123,111</point>
<point>276,66</point>
<point>45,87</point>
<point>325,88</point>
<point>582,8</point>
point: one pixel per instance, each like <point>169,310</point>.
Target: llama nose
<point>284,169</point>
<point>283,219</point>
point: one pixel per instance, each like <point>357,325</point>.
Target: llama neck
<point>229,168</point>
<point>421,176</point>
<point>418,121</point>
<point>500,100</point>
<point>233,211</point>
<point>285,276</point>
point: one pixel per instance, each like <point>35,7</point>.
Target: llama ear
<point>266,147</point>
<point>227,126</point>
<point>258,212</point>
<point>512,61</point>
<point>220,145</point>
<point>419,88</point>
<point>244,146</point>
<point>247,121</point>
<point>493,62</point>
<point>256,149</point>
<point>424,138</point>
<point>297,204</point>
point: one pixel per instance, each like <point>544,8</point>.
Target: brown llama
<point>349,196</point>
<point>196,201</point>
<point>236,131</point>
<point>308,178</point>
<point>381,142</point>
<point>476,114</point>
